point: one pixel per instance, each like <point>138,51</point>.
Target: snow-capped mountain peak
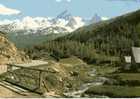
<point>75,22</point>
<point>64,22</point>
<point>29,23</point>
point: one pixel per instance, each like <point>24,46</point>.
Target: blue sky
<point>83,8</point>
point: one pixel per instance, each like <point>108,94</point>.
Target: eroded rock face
<point>9,53</point>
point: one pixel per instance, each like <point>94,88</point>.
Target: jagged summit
<point>64,15</point>
<point>96,18</point>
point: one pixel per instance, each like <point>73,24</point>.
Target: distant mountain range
<point>63,23</point>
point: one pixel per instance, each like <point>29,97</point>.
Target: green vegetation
<point>104,70</point>
<point>127,76</point>
<point>114,91</point>
<point>72,60</point>
<point>120,85</point>
<point>129,79</point>
<point>84,51</point>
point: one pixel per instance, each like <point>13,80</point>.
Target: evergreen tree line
<point>66,49</point>
<point>114,39</point>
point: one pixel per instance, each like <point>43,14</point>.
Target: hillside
<point>9,53</point>
<point>114,36</point>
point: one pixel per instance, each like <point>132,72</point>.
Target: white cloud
<point>63,0</point>
<point>8,11</point>
<point>68,0</point>
<point>58,0</point>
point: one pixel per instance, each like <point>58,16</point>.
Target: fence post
<point>40,80</point>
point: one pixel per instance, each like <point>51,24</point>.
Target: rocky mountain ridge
<point>62,23</point>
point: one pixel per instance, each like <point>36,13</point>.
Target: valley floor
<point>71,77</point>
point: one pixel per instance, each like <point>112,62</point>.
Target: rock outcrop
<point>9,53</point>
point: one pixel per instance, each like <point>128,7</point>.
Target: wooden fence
<point>26,77</point>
